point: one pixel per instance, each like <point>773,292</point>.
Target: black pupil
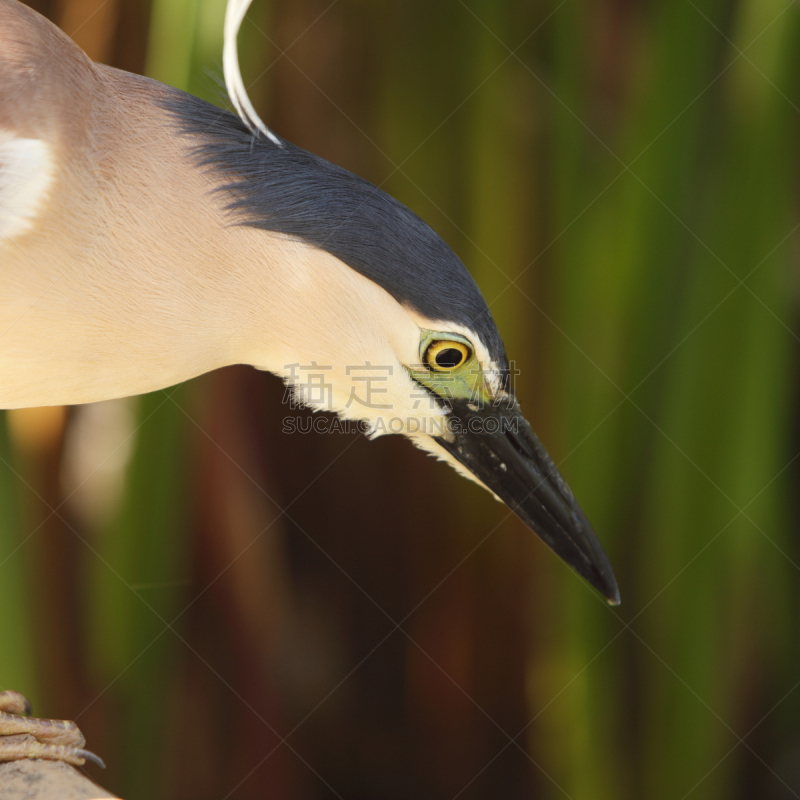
<point>449,358</point>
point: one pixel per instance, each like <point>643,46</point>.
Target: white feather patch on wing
<point>26,172</point>
<point>234,15</point>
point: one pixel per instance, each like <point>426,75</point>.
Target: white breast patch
<point>26,172</point>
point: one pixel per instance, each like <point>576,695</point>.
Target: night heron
<point>147,237</point>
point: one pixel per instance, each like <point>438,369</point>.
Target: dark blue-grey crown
<point>290,191</point>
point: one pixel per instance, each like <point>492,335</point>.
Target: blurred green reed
<point>16,619</point>
<point>675,287</point>
<point>135,591</point>
<point>622,183</point>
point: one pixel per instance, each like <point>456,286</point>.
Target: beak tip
<point>601,576</point>
<point>612,597</point>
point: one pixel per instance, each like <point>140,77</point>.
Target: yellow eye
<point>446,355</point>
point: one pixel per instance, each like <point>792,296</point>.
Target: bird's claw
<point>23,736</point>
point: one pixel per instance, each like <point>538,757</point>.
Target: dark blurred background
<point>232,612</point>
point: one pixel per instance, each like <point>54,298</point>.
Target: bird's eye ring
<point>446,355</point>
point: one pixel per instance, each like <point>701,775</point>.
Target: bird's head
<point>384,324</point>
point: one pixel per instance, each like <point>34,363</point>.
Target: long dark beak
<point>497,445</point>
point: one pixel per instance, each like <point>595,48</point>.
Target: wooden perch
<point>29,779</point>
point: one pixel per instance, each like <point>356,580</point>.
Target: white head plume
<point>234,15</point>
